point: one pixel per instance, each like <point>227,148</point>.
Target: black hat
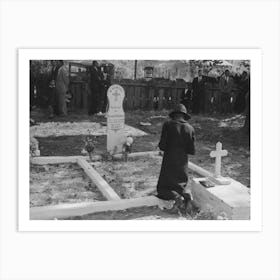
<point>180,108</point>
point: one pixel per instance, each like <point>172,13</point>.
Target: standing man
<point>198,86</point>
<point>226,85</point>
<point>62,86</point>
<point>244,86</point>
<point>52,100</point>
<point>187,98</point>
<point>106,85</point>
<point>177,142</point>
<point>95,86</point>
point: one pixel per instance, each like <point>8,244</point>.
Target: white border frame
<point>255,224</point>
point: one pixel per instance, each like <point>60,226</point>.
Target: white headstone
<point>115,119</point>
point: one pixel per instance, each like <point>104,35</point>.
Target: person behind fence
<point>95,86</point>
<point>226,86</point>
<point>106,85</point>
<point>177,142</point>
<point>198,86</point>
<point>62,86</point>
<point>243,84</point>
<point>187,97</point>
<point>52,100</point>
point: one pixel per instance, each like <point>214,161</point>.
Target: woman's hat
<point>180,108</point>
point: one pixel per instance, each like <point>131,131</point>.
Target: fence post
<point>160,97</point>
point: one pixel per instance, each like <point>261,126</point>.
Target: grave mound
<point>52,184</point>
<point>135,178</point>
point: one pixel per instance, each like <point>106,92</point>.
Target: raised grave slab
<point>80,209</point>
<point>232,199</point>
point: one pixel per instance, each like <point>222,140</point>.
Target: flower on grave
<point>127,145</point>
<point>89,146</point>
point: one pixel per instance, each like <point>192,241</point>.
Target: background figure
<point>187,98</point>
<point>198,86</point>
<point>95,86</point>
<point>52,101</point>
<point>105,86</point>
<point>177,141</point>
<point>226,85</point>
<point>62,85</point>
<point>243,83</point>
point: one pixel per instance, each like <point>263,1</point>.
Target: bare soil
<point>60,183</point>
<point>135,178</point>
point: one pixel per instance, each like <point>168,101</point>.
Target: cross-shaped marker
<point>116,94</point>
<point>218,154</point>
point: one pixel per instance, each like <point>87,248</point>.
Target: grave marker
<point>218,194</point>
<point>115,119</point>
<point>218,154</point>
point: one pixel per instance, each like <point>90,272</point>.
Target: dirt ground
<point>209,130</point>
<point>60,183</point>
<point>135,178</point>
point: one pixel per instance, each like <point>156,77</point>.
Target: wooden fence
<point>149,95</point>
<point>80,92</point>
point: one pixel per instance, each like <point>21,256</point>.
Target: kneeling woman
<point>177,142</point>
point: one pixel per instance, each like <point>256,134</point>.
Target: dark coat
<point>177,142</point>
<point>198,94</point>
<point>95,78</point>
<point>96,90</point>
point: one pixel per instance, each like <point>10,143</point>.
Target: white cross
<point>116,94</point>
<point>218,154</point>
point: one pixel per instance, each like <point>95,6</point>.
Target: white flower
<point>129,141</point>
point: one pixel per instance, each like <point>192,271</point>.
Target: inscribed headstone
<point>115,119</point>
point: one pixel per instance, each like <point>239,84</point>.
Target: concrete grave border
<point>113,203</point>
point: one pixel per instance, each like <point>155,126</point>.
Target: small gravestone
<point>219,194</point>
<point>115,119</point>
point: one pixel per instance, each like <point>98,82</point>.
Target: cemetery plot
<point>135,178</point>
<point>52,184</point>
<point>128,183</point>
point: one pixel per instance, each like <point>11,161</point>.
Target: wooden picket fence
<point>148,96</point>
<point>143,96</point>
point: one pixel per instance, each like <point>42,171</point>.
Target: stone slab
<point>54,159</point>
<point>79,209</point>
<point>101,184</point>
<point>232,199</point>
